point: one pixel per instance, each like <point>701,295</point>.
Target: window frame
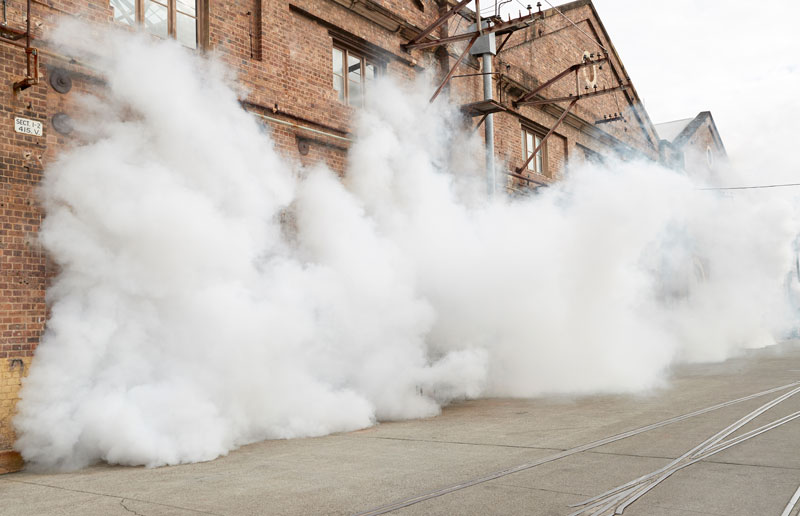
<point>200,17</point>
<point>365,59</point>
<point>534,166</point>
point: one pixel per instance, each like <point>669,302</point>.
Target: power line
<point>573,24</point>
<point>753,187</point>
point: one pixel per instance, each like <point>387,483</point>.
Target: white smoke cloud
<point>212,294</point>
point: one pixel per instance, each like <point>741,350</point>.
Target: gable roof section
<point>691,126</point>
<point>639,114</point>
<point>635,100</point>
<point>670,130</point>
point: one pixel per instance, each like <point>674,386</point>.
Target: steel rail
<point>792,503</point>
<point>708,443</point>
<point>641,490</point>
<point>607,505</point>
<point>566,453</point>
<point>721,447</point>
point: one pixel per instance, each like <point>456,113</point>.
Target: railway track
<point>613,499</point>
<point>616,500</point>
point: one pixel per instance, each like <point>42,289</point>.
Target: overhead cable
<point>574,25</point>
<point>752,187</point>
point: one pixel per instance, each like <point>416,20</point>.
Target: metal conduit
<point>301,127</point>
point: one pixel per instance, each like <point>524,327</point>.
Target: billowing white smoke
<point>212,294</point>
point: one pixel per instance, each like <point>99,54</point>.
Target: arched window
<point>177,19</point>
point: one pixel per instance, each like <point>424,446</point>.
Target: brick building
<point>693,145</point>
<point>306,64</point>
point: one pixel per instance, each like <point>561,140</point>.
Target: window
<point>178,19</point>
<point>530,141</point>
<point>352,75</point>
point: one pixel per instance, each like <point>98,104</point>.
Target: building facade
<point>307,65</point>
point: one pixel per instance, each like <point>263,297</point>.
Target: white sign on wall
<point>27,126</point>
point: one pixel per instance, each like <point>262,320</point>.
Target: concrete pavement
<point>401,462</point>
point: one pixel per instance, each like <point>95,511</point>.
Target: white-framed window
<point>530,141</point>
<point>353,74</point>
<point>177,19</point>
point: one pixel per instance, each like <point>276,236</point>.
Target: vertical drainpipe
<point>486,47</point>
<point>488,124</point>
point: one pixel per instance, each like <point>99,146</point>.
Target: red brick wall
<point>281,51</point>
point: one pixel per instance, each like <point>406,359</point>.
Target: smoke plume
<point>213,293</point>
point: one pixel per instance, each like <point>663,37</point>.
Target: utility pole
<point>486,47</point>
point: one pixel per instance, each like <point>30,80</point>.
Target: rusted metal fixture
<point>60,80</point>
<point>32,58</point>
<point>453,69</point>
<point>437,23</point>
<point>62,123</point>
<point>609,118</point>
<point>527,179</point>
<point>11,35</point>
<point>575,97</point>
<point>499,29</point>
<point>572,69</point>
<point>32,76</point>
<point>475,74</point>
<point>482,107</point>
<point>508,36</point>
<point>551,131</point>
<point>483,118</point>
<point>478,16</point>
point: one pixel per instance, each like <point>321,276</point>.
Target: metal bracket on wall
<point>551,131</point>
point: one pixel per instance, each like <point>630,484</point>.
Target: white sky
<point>740,60</point>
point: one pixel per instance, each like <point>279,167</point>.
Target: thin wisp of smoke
<point>211,293</point>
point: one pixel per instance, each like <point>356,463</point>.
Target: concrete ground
<point>457,463</point>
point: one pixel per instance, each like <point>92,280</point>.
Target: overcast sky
<point>740,60</point>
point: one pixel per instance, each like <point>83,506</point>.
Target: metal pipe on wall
<point>489,124</point>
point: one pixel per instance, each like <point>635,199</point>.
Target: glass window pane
<point>337,62</point>
<point>539,156</point>
<point>338,87</point>
<point>124,11</point>
<point>354,68</point>
<point>354,93</point>
<point>155,19</point>
<point>338,73</point>
<point>187,6</point>
<point>529,150</point>
<point>369,71</point>
<point>186,30</point>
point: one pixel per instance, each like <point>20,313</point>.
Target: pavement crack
<point>122,503</point>
<point>196,511</point>
<point>791,468</point>
<point>466,443</point>
<point>540,489</point>
<point>630,455</point>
